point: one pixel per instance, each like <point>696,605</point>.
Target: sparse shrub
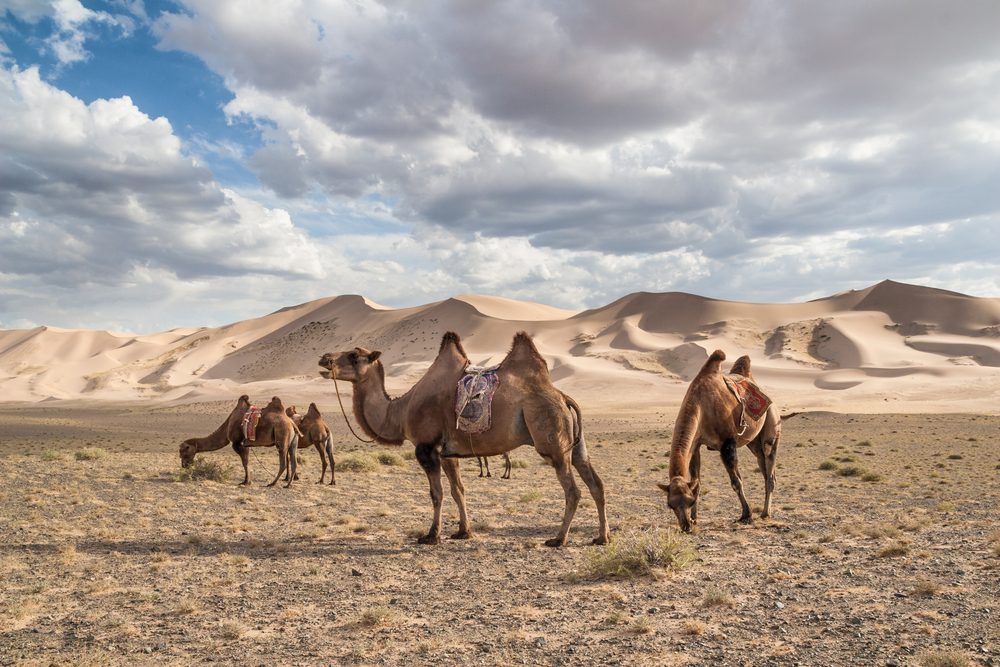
<point>203,468</point>
<point>185,606</point>
<point>642,626</point>
<point>52,455</point>
<point>945,506</point>
<point>530,496</point>
<point>357,462</point>
<point>377,616</point>
<point>945,659</point>
<point>828,465</point>
<point>518,463</point>
<point>926,588</point>
<point>716,597</point>
<point>390,459</point>
<point>871,477</point>
<point>955,457</point>
<point>865,443</point>
<point>639,553</point>
<point>230,629</point>
<point>851,471</point>
<point>893,550</point>
<point>409,455</point>
<point>90,454</point>
<point>694,627</point>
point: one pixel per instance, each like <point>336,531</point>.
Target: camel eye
<point>353,357</point>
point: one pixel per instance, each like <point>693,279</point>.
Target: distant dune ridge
<point>889,347</point>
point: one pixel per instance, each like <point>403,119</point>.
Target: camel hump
<point>313,410</point>
<point>713,363</point>
<point>275,405</point>
<point>523,350</point>
<point>451,338</point>
<point>741,367</point>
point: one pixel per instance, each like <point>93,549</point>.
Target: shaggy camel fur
<point>315,433</point>
<point>710,415</point>
<point>273,430</point>
<point>527,410</point>
<point>484,461</point>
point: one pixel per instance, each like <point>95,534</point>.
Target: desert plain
<point>883,547</point>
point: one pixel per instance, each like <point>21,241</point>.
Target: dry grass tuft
<point>390,459</point>
<point>530,496</point>
<point>90,454</point>
<point>828,465</point>
<point>203,468</point>
<point>893,550</point>
<point>926,588</point>
<point>642,626</point>
<point>716,597</point>
<point>378,616</point>
<point>945,659</point>
<point>52,455</point>
<point>231,629</point>
<point>357,462</point>
<point>693,627</point>
<point>518,463</point>
<point>852,471</point>
<point>640,553</point>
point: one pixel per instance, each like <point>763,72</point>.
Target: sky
<point>198,162</point>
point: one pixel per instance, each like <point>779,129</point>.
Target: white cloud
<point>73,21</point>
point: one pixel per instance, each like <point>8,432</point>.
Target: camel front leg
<point>454,473</point>
<point>430,461</point>
<point>565,474</point>
<point>731,462</point>
<point>694,473</point>
<point>244,453</point>
<point>322,460</point>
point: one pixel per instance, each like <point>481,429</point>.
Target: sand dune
<point>913,347</point>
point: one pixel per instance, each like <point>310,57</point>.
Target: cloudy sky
<point>197,162</point>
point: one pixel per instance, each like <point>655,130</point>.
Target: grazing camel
<point>527,410</point>
<point>316,433</point>
<point>274,429</point>
<point>484,461</point>
<point>710,414</point>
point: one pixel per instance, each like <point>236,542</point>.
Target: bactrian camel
<point>527,410</point>
<point>315,433</point>
<point>710,415</point>
<point>274,429</point>
<point>484,463</point>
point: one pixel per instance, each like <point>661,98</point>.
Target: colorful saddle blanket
<point>250,420</point>
<point>755,402</point>
<point>474,399</point>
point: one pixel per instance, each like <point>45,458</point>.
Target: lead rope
<point>344,412</point>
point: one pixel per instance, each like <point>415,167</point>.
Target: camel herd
<point>527,409</point>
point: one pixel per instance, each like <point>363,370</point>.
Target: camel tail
<point>579,445</point>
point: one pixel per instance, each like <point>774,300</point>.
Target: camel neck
<point>685,431</point>
<point>380,417</point>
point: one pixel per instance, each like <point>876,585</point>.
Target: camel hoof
<point>598,541</point>
<point>271,484</point>
<point>429,539</point>
<point>745,520</point>
<point>555,542</point>
<point>462,535</point>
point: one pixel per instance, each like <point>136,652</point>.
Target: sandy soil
<point>113,561</point>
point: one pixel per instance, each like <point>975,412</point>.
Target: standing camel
<point>484,461</point>
<point>710,414</point>
<point>271,432</point>
<point>316,433</point>
<point>527,410</point>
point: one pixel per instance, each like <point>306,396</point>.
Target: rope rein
<point>344,412</point>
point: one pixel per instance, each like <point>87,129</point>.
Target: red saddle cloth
<point>754,401</point>
<point>250,420</point>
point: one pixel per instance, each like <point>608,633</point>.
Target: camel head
<point>352,366</point>
<point>188,449</point>
<point>681,498</point>
<point>291,412</point>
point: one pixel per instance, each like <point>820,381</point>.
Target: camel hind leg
<point>506,466</point>
<point>581,461</point>
<point>572,493</point>
<point>329,455</point>
<point>766,454</point>
<point>322,460</point>
<point>293,448</point>
<point>282,462</point>
<point>451,469</point>
<point>731,462</point>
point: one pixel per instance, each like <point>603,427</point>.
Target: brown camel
<point>484,462</point>
<point>271,432</point>
<point>711,415</point>
<point>527,410</point>
<point>315,433</point>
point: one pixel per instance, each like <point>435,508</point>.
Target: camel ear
<point>372,356</point>
<point>665,487</point>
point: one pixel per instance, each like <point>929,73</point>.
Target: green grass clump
<point>52,455</point>
<point>828,465</point>
<point>390,459</point>
<point>640,553</point>
<point>357,462</point>
<point>90,454</point>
